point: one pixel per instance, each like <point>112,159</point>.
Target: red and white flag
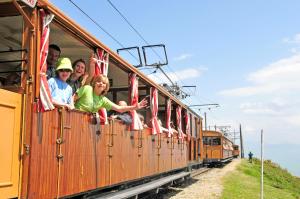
<point>168,119</point>
<point>134,99</point>
<point>154,110</point>
<point>178,119</point>
<point>187,125</point>
<point>101,68</point>
<point>45,95</point>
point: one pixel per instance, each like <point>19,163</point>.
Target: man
<point>53,55</point>
<point>250,156</point>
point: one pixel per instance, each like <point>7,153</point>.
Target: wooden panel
<point>164,154</point>
<point>43,171</point>
<point>102,155</point>
<point>10,116</point>
<point>177,154</point>
<point>149,164</point>
<point>82,168</point>
<point>124,159</point>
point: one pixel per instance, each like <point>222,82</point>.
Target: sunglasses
<point>64,70</point>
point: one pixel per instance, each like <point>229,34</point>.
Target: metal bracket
<point>59,141</point>
<point>60,156</point>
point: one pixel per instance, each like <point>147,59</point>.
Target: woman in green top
<point>90,98</point>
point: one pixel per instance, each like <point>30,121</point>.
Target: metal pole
<point>241,142</point>
<point>262,166</point>
<point>205,121</point>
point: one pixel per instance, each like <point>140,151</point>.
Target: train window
<point>183,123</point>
<point>119,88</point>
<point>162,109</point>
<point>11,52</point>
<point>214,141</point>
<point>206,140</point>
<point>196,127</point>
<point>192,128</point>
<point>70,46</point>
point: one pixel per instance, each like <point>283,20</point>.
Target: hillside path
<point>206,186</point>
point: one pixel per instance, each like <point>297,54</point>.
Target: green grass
<point>244,182</point>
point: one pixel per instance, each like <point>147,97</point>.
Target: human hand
<point>142,104</point>
<point>69,107</point>
<point>93,61</point>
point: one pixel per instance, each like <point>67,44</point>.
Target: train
<point>218,148</point>
<point>60,153</point>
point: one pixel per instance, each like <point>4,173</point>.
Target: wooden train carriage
<point>61,153</point>
<point>236,151</point>
<point>218,149</point>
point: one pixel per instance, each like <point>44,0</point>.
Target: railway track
<point>156,188</point>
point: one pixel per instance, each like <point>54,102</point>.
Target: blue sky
<point>244,55</point>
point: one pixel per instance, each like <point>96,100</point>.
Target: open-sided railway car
<point>217,148</point>
<point>58,153</point>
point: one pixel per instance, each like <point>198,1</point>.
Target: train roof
<point>208,133</point>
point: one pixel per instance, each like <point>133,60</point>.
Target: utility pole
<point>262,165</point>
<point>241,142</point>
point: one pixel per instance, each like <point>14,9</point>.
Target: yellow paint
<point>10,133</point>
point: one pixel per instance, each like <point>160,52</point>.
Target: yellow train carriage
<point>218,149</point>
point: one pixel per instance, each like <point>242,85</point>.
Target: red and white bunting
<point>45,96</point>
<point>101,67</point>
<point>154,110</point>
<point>168,119</point>
<point>134,99</point>
<point>102,62</point>
<point>178,119</point>
<point>187,125</point>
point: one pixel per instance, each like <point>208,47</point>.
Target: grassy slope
<point>244,183</point>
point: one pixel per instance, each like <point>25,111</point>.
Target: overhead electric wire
<point>134,29</point>
<point>103,29</point>
<point>141,36</point>
<point>120,44</point>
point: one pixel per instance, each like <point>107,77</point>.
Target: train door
<point>10,120</point>
<point>12,67</point>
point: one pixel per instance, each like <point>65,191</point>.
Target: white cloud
<point>188,73</point>
<point>183,57</point>
<point>260,108</point>
<point>295,39</point>
<point>281,76</point>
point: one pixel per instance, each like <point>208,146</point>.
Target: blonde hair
<point>101,78</point>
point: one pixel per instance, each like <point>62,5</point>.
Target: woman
<point>90,98</point>
<point>60,90</point>
<point>80,76</point>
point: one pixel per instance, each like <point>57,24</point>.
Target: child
<point>60,91</point>
<point>91,98</point>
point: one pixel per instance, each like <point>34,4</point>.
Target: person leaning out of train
<point>53,55</point>
<point>61,91</point>
<point>91,98</point>
<point>82,75</point>
<point>125,117</point>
